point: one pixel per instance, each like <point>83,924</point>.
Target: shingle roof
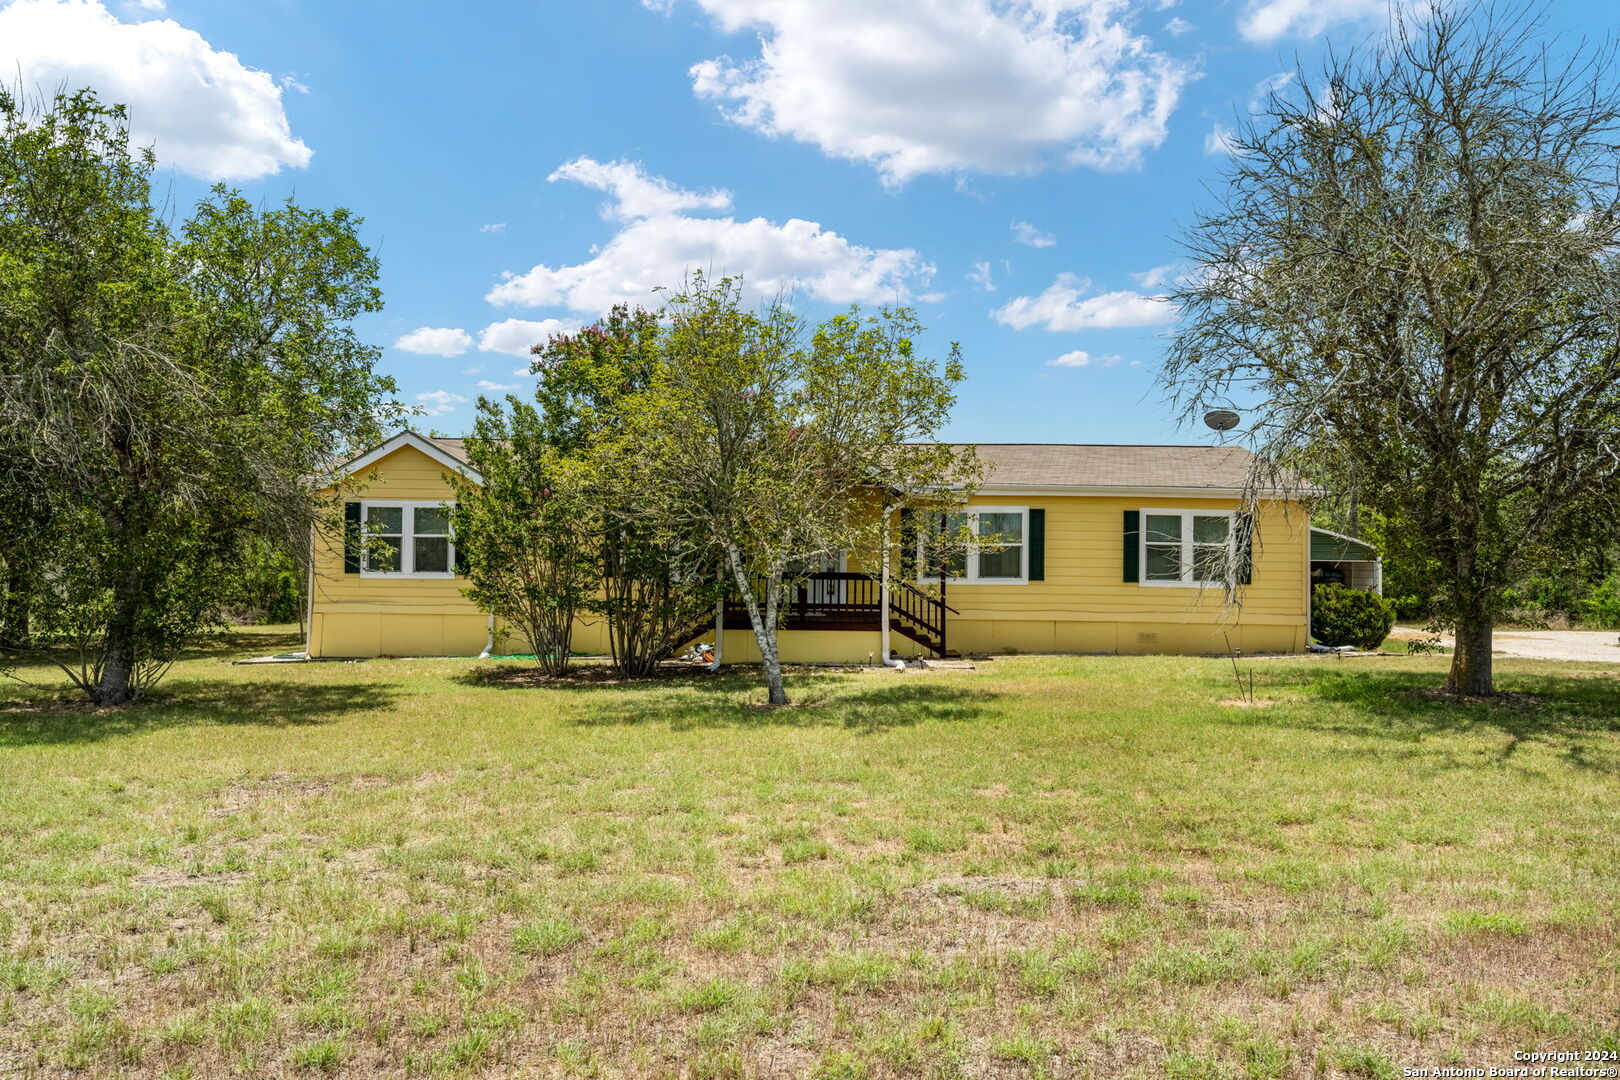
<point>1218,468</point>
<point>456,448</point>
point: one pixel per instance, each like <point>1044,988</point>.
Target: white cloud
<point>1177,26</point>
<point>636,194</point>
<point>1025,233</point>
<point>205,112</point>
<point>496,227</point>
<point>980,276</point>
<point>660,245</point>
<point>1081,358</point>
<point>1061,307</point>
<point>439,402</point>
<point>291,83</point>
<point>495,387</point>
<point>1268,20</point>
<point>435,341</point>
<point>1260,96</point>
<point>1155,277</point>
<point>516,336</point>
<point>476,369</point>
<point>1220,140</point>
<point>999,86</point>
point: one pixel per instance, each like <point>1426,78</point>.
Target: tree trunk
<point>116,686</point>
<point>764,625</point>
<point>1471,662</point>
<point>15,631</point>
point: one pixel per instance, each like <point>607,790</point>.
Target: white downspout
<point>489,639</point>
<point>883,597</point>
<point>719,633</point>
<point>309,599</point>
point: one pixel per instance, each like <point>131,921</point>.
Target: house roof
<point>456,448</point>
<point>1173,468</point>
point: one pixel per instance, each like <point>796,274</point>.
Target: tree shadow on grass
<point>826,702</point>
<point>1567,712</point>
<point>66,719</point>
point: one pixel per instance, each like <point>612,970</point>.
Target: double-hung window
<point>1187,547</point>
<point>995,552</point>
<point>407,539</point>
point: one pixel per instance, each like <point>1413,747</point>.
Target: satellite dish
<point>1221,419</point>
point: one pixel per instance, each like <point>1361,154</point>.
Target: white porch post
<point>883,589</point>
<point>719,631</point>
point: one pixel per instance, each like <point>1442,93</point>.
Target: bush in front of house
<point>1341,616</point>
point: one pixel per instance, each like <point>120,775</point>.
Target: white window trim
<point>1186,582</point>
<point>972,553</point>
<point>407,539</point>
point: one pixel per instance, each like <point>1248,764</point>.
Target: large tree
<point>526,532</point>
<point>654,585</point>
<point>168,393</point>
<point>778,446</point>
<point>1410,286</point>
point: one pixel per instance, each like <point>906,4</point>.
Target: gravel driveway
<point>1603,645</point>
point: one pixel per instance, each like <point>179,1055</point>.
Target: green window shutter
<point>351,538</point>
<point>1133,545</point>
<point>908,545</point>
<point>1037,545</point>
<point>1244,524</point>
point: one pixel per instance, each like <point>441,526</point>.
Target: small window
<point>408,539</point>
<point>431,540</point>
<point>385,538</point>
<point>997,556</point>
<point>1186,547</point>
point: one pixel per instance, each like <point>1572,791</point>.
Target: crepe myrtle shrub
<point>775,445</point>
<point>525,533</point>
<point>1409,284</point>
<point>168,390</point>
<point>657,586</point>
<point>1355,617</point>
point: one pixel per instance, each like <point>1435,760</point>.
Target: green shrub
<point>1601,607</point>
<point>1341,616</point>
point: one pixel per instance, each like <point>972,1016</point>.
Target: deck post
<point>943,520</point>
<point>883,590</point>
<point>719,630</point>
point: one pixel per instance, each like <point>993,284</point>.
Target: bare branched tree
<point>1410,285</point>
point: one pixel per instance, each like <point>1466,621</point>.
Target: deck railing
<point>849,601</point>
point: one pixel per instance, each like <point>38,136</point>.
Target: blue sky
<point>1017,171</point>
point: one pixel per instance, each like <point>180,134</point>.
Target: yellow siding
<point>385,616</point>
<point>1083,605</point>
<point>806,646</point>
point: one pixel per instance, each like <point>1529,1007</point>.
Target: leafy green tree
<point>526,532</point>
<point>654,588</point>
<point>776,446</point>
<point>1411,285</point>
<point>167,393</point>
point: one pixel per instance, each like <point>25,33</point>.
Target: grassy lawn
<point>1098,867</point>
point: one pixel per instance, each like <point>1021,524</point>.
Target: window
<point>1001,559</point>
<point>1186,547</point>
<point>409,539</point>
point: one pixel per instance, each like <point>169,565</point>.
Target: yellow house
<point>1101,549</point>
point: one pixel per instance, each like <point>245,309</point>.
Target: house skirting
<point>364,634</point>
